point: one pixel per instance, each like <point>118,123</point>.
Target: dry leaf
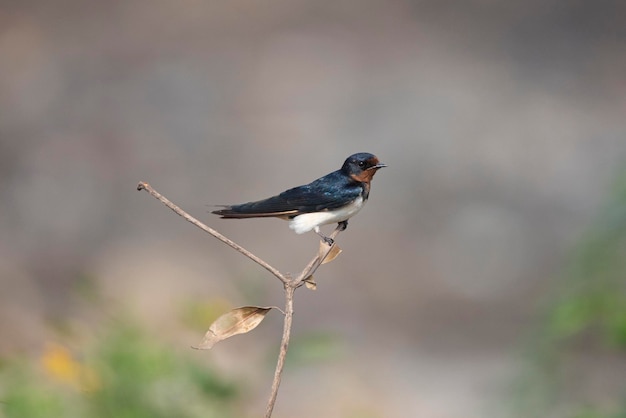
<point>334,252</point>
<point>310,283</point>
<point>237,321</point>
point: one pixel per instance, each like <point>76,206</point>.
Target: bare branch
<point>284,345</point>
<point>290,283</point>
<point>317,260</point>
<point>290,288</point>
<point>145,186</point>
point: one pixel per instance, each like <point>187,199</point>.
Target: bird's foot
<point>327,240</point>
<point>342,225</point>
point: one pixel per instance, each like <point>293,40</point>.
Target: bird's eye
<point>361,163</point>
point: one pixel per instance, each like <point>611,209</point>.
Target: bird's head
<point>362,166</point>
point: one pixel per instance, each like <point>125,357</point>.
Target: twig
<point>318,259</point>
<point>284,345</point>
<point>290,283</point>
<point>145,186</point>
<point>290,289</point>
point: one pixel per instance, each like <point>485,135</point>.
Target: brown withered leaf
<point>310,283</point>
<point>236,321</point>
<point>334,252</point>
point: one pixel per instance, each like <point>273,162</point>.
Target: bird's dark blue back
<point>326,193</point>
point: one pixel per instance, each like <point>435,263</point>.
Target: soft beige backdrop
<point>502,124</point>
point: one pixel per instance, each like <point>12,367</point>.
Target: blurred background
<point>485,277</point>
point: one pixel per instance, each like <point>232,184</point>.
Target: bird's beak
<point>377,166</point>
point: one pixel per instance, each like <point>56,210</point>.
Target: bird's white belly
<point>308,221</point>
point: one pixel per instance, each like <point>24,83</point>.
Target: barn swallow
<point>336,197</point>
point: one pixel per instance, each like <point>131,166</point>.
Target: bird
<point>335,197</point>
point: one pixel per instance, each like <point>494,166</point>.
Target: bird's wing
<point>327,193</point>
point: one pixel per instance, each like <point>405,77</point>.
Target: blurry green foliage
<point>587,412</point>
<point>589,307</point>
<point>126,375</point>
<point>23,395</point>
<point>312,348</point>
<point>594,292</point>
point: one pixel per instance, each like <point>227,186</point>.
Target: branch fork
<point>244,319</point>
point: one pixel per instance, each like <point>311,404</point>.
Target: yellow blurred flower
<point>59,363</point>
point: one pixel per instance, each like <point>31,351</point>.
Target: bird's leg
<point>342,225</point>
<point>326,239</point>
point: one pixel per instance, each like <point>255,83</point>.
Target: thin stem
<point>284,345</point>
<point>317,260</point>
<point>290,289</point>
<point>290,284</point>
<point>145,186</point>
